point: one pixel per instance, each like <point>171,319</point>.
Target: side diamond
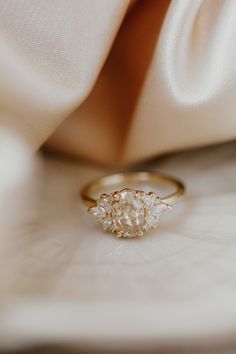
<point>102,210</point>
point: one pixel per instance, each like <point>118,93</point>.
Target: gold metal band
<point>132,177</point>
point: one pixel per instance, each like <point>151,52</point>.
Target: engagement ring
<point>130,212</point>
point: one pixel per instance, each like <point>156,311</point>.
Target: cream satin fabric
<point>118,81</point>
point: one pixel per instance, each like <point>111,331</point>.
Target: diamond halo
<point>129,212</point>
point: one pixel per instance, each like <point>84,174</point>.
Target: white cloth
<point>65,281</point>
<point>141,77</point>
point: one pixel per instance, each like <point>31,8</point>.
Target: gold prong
<point>140,233</point>
<point>152,194</point>
<point>119,234</point>
<point>116,196</point>
<point>112,229</point>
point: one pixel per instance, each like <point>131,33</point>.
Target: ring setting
<point>129,212</point>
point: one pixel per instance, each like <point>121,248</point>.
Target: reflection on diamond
<point>129,213</point>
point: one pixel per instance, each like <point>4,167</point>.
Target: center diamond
<point>129,213</point>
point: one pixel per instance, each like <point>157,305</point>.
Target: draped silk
<point>118,81</point>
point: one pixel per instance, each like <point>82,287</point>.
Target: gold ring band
<point>130,212</point>
<point>132,177</point>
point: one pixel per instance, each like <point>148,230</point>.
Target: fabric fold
<point>118,82</point>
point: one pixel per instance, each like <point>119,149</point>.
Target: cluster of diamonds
<point>129,213</point>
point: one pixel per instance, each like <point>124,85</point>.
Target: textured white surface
<point>72,283</point>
